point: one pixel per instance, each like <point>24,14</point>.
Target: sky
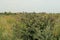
<point>30,5</point>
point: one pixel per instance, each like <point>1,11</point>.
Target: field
<point>29,26</point>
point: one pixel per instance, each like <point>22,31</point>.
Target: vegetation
<point>29,26</point>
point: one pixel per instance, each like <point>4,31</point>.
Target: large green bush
<point>30,26</point>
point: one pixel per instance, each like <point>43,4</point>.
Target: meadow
<point>29,26</point>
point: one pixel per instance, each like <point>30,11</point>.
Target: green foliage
<point>30,26</point>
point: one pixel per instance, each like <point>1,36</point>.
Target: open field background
<point>28,26</point>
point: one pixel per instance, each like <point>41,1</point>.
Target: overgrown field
<point>29,26</point>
